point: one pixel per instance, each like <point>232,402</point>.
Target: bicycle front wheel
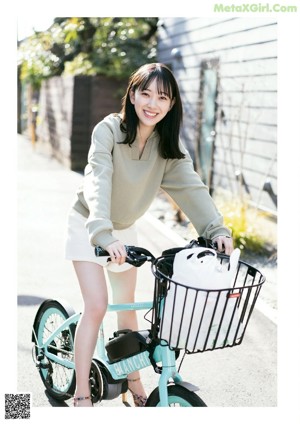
<point>177,396</point>
<point>59,380</point>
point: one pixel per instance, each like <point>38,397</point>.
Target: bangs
<point>163,80</point>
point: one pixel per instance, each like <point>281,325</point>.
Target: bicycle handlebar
<point>137,256</point>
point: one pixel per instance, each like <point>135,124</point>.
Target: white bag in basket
<point>200,268</point>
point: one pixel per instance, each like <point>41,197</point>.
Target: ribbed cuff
<point>223,231</point>
<point>103,239</point>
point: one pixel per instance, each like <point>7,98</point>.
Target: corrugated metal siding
<point>246,125</point>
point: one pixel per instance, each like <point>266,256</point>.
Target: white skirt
<point>78,247</point>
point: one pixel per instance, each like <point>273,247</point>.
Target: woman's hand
<point>117,252</point>
<point>224,243</point>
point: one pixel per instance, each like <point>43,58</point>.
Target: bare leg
<point>123,286</point>
<point>94,292</point>
<point>123,289</point>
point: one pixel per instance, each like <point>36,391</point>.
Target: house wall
<point>244,53</point>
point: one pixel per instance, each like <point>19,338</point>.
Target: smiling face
<point>151,104</point>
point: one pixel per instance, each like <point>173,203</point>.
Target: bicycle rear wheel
<point>59,380</point>
<point>177,396</point>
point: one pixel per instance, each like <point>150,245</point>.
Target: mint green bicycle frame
<point>119,370</point>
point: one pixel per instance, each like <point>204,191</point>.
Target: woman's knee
<point>93,288</point>
<point>95,311</point>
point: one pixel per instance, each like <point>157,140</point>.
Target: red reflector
<point>233,295</point>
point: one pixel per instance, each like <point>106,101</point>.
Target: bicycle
<point>159,346</point>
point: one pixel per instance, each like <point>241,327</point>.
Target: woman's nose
<point>152,102</point>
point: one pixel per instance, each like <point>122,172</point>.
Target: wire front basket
<point>199,320</point>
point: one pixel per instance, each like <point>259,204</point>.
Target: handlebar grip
<point>136,256</point>
<point>101,252</point>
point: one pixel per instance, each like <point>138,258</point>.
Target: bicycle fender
<point>189,386</point>
<point>68,308</point>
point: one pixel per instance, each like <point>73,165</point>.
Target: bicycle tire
<point>177,396</point>
<point>59,380</point>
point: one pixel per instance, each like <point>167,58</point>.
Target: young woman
<point>132,155</point>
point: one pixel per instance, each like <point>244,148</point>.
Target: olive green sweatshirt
<point>119,186</point>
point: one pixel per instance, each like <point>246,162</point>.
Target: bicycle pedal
<point>124,400</point>
<point>38,361</point>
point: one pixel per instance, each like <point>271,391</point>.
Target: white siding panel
<point>248,68</point>
<point>193,54</point>
<point>197,43</point>
<point>211,28</point>
<point>249,99</point>
<point>246,49</point>
<point>259,59</point>
<point>256,157</point>
<point>258,115</point>
<point>241,129</point>
<point>251,83</point>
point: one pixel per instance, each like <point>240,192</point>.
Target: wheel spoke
<point>58,379</point>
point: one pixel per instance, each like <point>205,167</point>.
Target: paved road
<point>243,376</point>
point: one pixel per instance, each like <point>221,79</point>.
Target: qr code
<point>17,406</point>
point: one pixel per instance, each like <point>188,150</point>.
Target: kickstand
<point>124,400</point>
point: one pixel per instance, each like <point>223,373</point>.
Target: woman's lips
<point>150,114</point>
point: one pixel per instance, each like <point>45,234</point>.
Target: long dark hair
<point>168,128</point>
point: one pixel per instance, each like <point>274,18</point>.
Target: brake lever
<point>137,260</point>
<point>132,257</point>
<point>204,242</point>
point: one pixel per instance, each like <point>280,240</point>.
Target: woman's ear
<point>132,96</point>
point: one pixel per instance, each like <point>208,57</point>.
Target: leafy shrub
<point>247,226</point>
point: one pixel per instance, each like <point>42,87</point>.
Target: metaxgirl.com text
<point>254,7</point>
